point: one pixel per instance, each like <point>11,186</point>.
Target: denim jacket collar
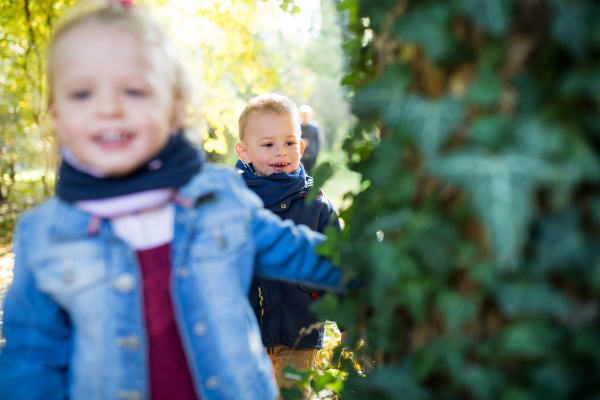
<point>69,222</point>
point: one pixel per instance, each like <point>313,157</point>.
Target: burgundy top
<point>170,377</point>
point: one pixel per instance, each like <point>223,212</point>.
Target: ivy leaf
<point>560,246</point>
<point>431,122</point>
<point>501,188</point>
<point>291,394</point>
<point>490,131</point>
<point>526,299</point>
<point>571,24</point>
<point>394,383</point>
<point>383,97</point>
<point>457,309</point>
<point>489,15</point>
<point>486,89</point>
<point>537,138</point>
<point>428,27</point>
<point>322,174</point>
<point>386,268</point>
<point>482,381</point>
<point>528,339</point>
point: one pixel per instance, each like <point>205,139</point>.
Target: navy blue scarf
<point>179,162</point>
<point>274,188</point>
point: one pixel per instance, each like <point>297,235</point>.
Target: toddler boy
<point>270,149</point>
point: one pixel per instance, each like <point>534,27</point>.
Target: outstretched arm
<point>34,361</point>
<point>286,251</point>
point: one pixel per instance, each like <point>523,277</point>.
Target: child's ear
<point>301,147</point>
<point>242,152</point>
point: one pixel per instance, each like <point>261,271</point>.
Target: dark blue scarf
<point>274,188</point>
<point>179,162</point>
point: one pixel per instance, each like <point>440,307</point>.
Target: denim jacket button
<point>221,243</point>
<point>212,382</point>
<point>200,328</point>
<point>124,283</point>
<point>129,395</point>
<point>68,276</point>
<point>266,340</point>
<point>182,272</point>
<point>267,304</point>
<point>283,206</point>
<point>131,342</point>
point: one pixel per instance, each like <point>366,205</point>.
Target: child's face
<point>271,143</point>
<point>112,107</point>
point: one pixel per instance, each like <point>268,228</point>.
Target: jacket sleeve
<point>286,251</point>
<point>34,361</point>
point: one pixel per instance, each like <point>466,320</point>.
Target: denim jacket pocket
<point>219,240</point>
<point>70,273</point>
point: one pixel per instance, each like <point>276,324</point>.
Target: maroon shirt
<point>170,377</point>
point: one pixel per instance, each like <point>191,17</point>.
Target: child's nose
<point>280,151</point>
<point>109,104</point>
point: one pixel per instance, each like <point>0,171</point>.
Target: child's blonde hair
<point>270,102</point>
<point>134,19</point>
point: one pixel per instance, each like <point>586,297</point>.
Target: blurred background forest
<point>234,49</point>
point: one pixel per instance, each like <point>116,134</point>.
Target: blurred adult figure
<point>312,135</point>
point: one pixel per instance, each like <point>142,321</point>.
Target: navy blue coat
<point>285,306</point>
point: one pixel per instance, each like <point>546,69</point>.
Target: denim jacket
<point>73,317</point>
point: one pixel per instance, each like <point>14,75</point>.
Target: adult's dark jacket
<point>286,306</point>
<point>313,132</point>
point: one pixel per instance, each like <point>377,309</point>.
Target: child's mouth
<point>112,139</point>
<point>280,166</point>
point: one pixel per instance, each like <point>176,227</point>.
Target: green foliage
<point>475,237</point>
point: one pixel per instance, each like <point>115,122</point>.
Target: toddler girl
<point>132,282</point>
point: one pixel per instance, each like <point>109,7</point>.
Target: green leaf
<point>414,295</point>
<point>529,339</point>
<point>291,394</point>
<point>322,380</point>
<point>554,381</point>
<point>539,138</point>
<point>426,26</point>
<point>489,15</point>
<point>322,173</point>
<point>560,246</point>
<point>490,131</point>
<point>529,299</point>
<point>431,122</point>
<point>331,247</point>
<point>571,24</point>
<point>516,393</point>
<point>456,309</point>
<point>384,97</point>
<point>482,381</point>
<point>501,188</point>
<point>394,383</point>
<point>486,89</point>
<point>386,269</point>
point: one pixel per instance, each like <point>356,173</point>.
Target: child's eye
<point>268,145</point>
<point>291,143</point>
<point>81,94</point>
<point>135,92</point>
